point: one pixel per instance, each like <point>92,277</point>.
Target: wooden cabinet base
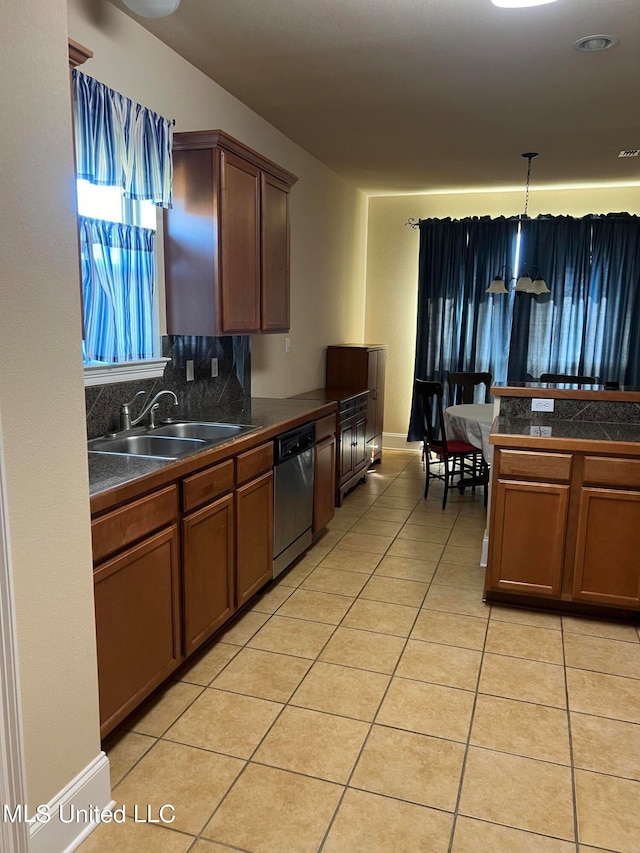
<point>562,605</point>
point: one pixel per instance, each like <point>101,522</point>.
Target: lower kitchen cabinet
<point>607,565</point>
<point>528,557</point>
<point>574,540</point>
<point>324,484</point>
<point>137,623</point>
<point>254,523</point>
<point>208,570</point>
<point>352,453</point>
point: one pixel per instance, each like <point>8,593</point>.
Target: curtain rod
<point>412,222</point>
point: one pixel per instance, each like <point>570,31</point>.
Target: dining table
<point>471,422</point>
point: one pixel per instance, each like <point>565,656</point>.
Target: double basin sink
<point>170,440</point>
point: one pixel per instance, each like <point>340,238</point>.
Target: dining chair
<point>567,378</point>
<point>462,386</point>
<point>443,458</point>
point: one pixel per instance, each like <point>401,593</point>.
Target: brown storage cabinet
<point>565,526</point>
<point>226,239</point>
<point>352,457</point>
<point>362,368</point>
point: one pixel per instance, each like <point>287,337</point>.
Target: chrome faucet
<point>127,422</point>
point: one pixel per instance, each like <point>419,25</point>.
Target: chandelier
<point>529,281</point>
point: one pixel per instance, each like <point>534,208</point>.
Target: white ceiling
<point>411,95</point>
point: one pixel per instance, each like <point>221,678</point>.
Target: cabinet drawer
<point>325,428</point>
<point>254,462</point>
<point>119,528</point>
<point>207,485</point>
<point>354,406</point>
<point>604,471</point>
<point>542,466</point>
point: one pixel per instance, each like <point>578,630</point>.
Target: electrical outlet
<point>542,404</point>
<point>546,431</point>
<point>190,371</point>
<point>287,345</point>
<point>214,367</point>
<point>534,430</point>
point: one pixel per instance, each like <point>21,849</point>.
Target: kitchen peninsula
<point>564,525</point>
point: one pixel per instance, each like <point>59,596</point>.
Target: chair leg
<point>427,475</point>
<point>445,462</point>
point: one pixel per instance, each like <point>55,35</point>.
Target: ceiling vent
<point>630,152</point>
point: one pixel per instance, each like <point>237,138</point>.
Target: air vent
<point>631,152</point>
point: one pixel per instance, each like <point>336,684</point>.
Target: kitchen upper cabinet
<point>226,239</point>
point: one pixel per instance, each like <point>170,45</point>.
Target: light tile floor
<point>369,702</point>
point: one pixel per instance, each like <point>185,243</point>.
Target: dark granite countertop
<point>269,415</point>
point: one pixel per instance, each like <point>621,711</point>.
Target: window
<point>123,154</point>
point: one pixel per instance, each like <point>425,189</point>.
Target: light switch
<point>190,372</point>
<point>214,367</point>
<point>287,345</point>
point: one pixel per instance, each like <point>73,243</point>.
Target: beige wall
<point>328,215</point>
<point>392,265</point>
<point>41,385</point>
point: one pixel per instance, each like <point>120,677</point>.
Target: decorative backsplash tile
<point>594,411</point>
<point>233,383</point>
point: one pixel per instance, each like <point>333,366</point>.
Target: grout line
<point>467,745</point>
<point>574,798</point>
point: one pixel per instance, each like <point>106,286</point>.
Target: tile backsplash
<point>232,385</point>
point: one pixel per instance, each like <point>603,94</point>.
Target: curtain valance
<point>121,143</point>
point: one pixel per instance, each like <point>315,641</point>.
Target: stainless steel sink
<point>159,447</point>
<point>170,440</point>
<point>210,432</point>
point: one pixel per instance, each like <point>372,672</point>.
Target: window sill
<point>106,374</point>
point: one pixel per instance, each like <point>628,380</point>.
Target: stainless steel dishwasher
<point>293,495</point>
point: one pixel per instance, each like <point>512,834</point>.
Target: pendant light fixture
<point>152,8</point>
<point>527,282</point>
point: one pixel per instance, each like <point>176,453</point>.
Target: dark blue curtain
<point>588,324</point>
<point>460,327</point>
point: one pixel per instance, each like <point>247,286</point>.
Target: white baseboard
<point>91,790</point>
<point>398,441</point>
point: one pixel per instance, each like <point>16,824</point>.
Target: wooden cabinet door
<point>607,563</point>
<point>372,403</point>
<point>254,526</point>
<point>381,363</point>
<point>239,220</point>
<point>275,255</point>
<point>527,537</point>
<point>208,570</point>
<point>346,439</point>
<point>324,484</point>
<point>137,624</point>
<point>360,458</point>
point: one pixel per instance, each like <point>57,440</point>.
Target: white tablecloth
<point>471,422</point>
